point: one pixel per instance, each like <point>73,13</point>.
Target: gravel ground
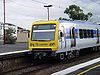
<point>31,67</point>
<point>65,64</point>
<point>13,47</point>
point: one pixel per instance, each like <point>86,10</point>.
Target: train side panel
<point>80,43</point>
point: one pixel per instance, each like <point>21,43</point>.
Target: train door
<point>72,37</point>
<point>97,36</point>
<point>62,37</point>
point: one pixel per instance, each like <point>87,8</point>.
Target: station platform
<point>13,50</point>
<point>91,67</point>
<point>13,47</point>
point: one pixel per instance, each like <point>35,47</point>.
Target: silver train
<point>62,39</point>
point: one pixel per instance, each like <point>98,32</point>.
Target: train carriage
<point>60,38</point>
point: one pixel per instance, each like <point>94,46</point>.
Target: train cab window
<point>44,27</point>
<point>81,33</point>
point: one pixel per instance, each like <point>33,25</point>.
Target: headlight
<point>31,44</point>
<point>52,44</point>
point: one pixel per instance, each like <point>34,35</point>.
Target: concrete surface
<point>13,47</point>
<point>93,69</point>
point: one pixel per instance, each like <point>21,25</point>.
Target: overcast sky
<point>23,12</point>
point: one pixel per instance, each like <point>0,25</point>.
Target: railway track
<point>46,67</point>
<point>26,70</point>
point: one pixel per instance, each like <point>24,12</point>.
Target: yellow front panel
<point>45,44</point>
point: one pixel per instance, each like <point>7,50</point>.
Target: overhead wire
<point>48,3</point>
<point>57,6</point>
<point>17,3</point>
<point>23,5</point>
<point>95,2</point>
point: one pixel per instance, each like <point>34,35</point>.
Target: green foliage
<point>9,38</point>
<point>60,18</point>
<point>75,13</point>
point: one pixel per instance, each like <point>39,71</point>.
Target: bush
<point>9,37</point>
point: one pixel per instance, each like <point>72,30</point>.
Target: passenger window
<point>88,33</point>
<point>85,33</point>
<point>81,33</point>
<point>92,36</point>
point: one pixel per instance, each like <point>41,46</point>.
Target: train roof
<point>77,22</point>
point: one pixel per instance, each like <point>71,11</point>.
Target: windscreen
<point>43,32</point>
<point>44,27</point>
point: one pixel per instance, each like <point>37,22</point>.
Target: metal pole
<point>4,22</point>
<point>48,12</point>
<point>48,9</point>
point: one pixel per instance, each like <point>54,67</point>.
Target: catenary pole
<point>4,22</point>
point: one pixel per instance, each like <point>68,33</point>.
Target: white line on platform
<point>7,53</point>
<point>76,67</point>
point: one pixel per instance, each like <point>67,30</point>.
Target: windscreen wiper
<point>42,40</point>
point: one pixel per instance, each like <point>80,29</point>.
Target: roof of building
<point>10,24</point>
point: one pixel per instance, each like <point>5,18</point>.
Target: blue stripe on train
<point>76,33</point>
<point>68,33</point>
<point>94,33</point>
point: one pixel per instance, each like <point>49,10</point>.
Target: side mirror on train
<point>61,34</point>
<point>28,33</point>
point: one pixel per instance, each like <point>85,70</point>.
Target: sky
<point>24,12</point>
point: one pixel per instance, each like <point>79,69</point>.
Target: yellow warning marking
<point>81,73</point>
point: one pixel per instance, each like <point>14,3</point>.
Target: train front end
<point>43,41</point>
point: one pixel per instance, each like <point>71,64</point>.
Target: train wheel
<point>95,48</point>
<point>99,48</point>
<point>77,53</point>
<point>70,55</point>
<point>60,56</point>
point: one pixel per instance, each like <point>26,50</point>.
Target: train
<point>62,39</point>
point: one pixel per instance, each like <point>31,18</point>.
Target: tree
<point>75,13</point>
<point>60,18</point>
<point>9,37</point>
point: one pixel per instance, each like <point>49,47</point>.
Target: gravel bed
<point>46,67</point>
<point>65,64</point>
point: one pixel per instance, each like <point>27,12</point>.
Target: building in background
<point>1,29</point>
<point>1,33</point>
<point>7,26</point>
<point>12,26</point>
<point>22,35</point>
